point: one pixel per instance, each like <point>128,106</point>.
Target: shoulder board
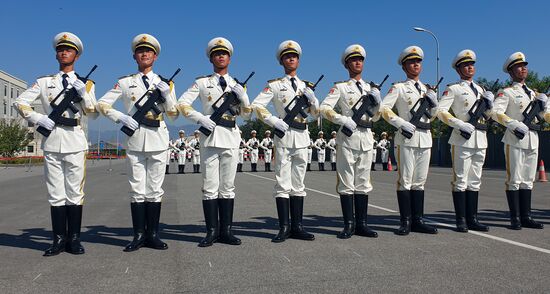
<point>126,76</point>
<point>202,77</point>
<point>397,83</point>
<point>340,82</point>
<point>308,83</point>
<point>46,76</point>
<point>274,80</point>
<point>452,84</point>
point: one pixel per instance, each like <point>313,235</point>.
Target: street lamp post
<point>419,29</point>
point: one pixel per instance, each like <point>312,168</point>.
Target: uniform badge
<point>332,90</point>
<point>266,89</point>
<point>133,98</point>
<point>445,93</point>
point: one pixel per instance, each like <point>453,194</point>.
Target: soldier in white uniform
<point>309,154</point>
<point>291,149</point>
<point>521,141</point>
<point>374,153</point>
<point>267,146</point>
<point>355,152</point>
<point>194,148</point>
<point>413,155</point>
<point>146,149</point>
<point>332,146</point>
<point>384,146</point>
<point>321,146</point>
<point>242,148</point>
<point>219,150</point>
<point>181,146</point>
<point>468,154</point>
<point>254,144</point>
<point>169,155</point>
<point>66,146</point>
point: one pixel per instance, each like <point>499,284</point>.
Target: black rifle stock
<point>424,106</point>
<point>154,98</point>
<point>230,101</point>
<point>299,104</point>
<point>70,96</point>
<point>476,112</point>
<point>366,103</point>
<point>529,114</point>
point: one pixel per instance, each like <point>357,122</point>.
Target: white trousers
<point>290,172</point>
<point>309,154</point>
<point>267,155</point>
<point>241,156</point>
<point>196,158</point>
<point>332,156</point>
<point>181,157</point>
<point>521,167</point>
<point>467,168</point>
<point>413,163</point>
<point>65,177</point>
<point>384,155</point>
<point>254,156</point>
<point>374,155</point>
<point>321,156</point>
<point>219,170</point>
<point>353,169</point>
<point>146,175</point>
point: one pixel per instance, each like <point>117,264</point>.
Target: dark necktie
<point>417,86</point>
<point>294,86</point>
<point>223,83</point>
<point>473,88</point>
<point>527,91</point>
<point>145,82</point>
<point>64,81</point>
<point>358,84</point>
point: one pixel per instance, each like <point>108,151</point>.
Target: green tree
<point>13,138</point>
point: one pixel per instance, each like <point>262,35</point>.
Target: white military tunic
<point>220,150</point>
<point>65,148</point>
<point>521,154</point>
<point>291,151</point>
<point>468,155</point>
<point>355,153</point>
<point>413,155</point>
<point>267,146</point>
<point>147,148</point>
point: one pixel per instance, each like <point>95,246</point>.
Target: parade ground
<point>500,261</point>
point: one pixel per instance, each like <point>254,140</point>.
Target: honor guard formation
<point>286,104</point>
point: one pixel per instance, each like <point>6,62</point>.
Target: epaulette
<point>452,84</point>
<point>340,82</point>
<point>126,76</point>
<point>274,80</point>
<point>202,77</point>
<point>46,76</point>
<point>309,84</point>
<point>395,83</point>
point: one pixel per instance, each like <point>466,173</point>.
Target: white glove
<point>206,122</point>
<point>45,122</point>
<point>164,89</point>
<point>542,98</point>
<point>407,127</point>
<point>277,123</point>
<point>514,125</point>
<point>80,87</point>
<point>432,96</point>
<point>309,95</point>
<point>129,122</point>
<point>239,91</point>
<point>376,94</point>
<point>349,123</point>
<point>463,126</point>
<point>490,97</point>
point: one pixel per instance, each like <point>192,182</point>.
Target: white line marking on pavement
<point>127,268</point>
<point>286,258</point>
<point>356,253</point>
<point>504,240</point>
<point>37,277</point>
<point>210,264</point>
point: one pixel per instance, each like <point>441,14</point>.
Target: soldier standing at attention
<point>321,145</point>
<point>254,144</point>
<point>181,146</point>
<point>66,145</point>
<point>332,146</point>
<point>309,154</point>
<point>267,146</point>
<point>147,147</point>
<point>194,147</point>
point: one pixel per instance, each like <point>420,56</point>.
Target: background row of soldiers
<point>409,106</point>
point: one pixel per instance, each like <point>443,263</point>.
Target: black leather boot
<point>471,212</point>
<point>198,168</point>
<point>373,166</point>
<point>153,218</point>
<point>513,204</point>
<point>322,166</point>
<point>239,167</point>
<point>296,213</point>
<point>346,201</point>
<point>361,208</point>
<point>210,209</point>
<point>254,167</point>
<point>167,169</point>
<point>333,165</point>
<point>417,210</point>
<point>525,210</point>
<point>404,201</point>
<point>308,167</point>
<point>226,222</point>
<point>59,230</point>
<point>384,166</point>
<point>138,222</point>
<point>459,201</point>
<point>284,223</point>
<point>74,221</point>
<point>181,168</point>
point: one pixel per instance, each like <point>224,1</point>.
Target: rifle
<point>529,114</point>
<point>476,112</point>
<point>424,105</point>
<point>230,104</point>
<point>300,103</point>
<point>154,98</point>
<point>70,97</point>
<point>368,103</point>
